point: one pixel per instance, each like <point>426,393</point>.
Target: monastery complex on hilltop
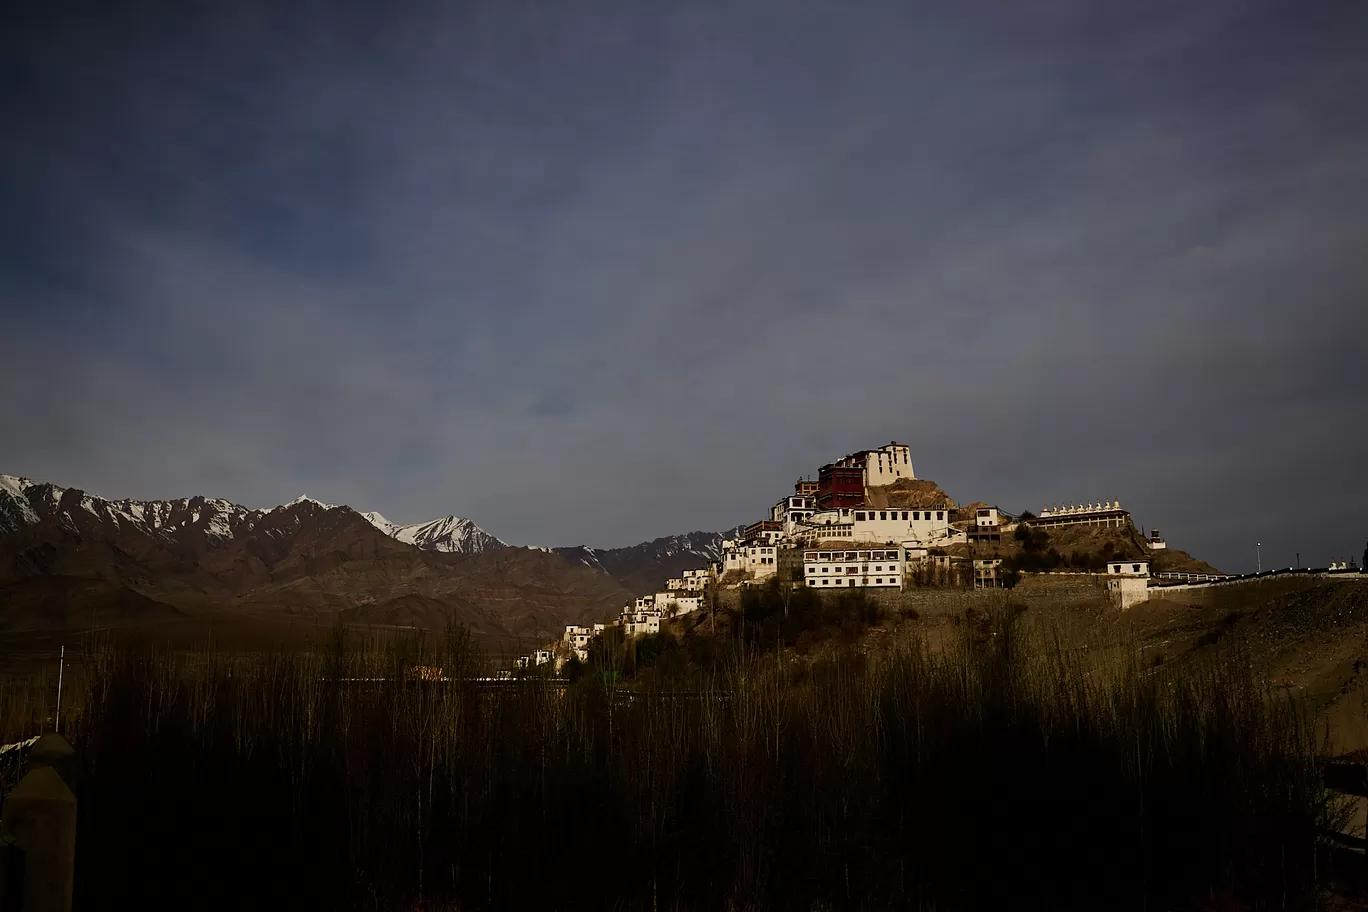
<point>842,531</point>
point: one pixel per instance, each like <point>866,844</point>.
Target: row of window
<point>849,569</point>
<point>877,581</point>
<point>916,515</point>
<point>849,555</point>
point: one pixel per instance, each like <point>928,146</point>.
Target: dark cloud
<point>603,272</point>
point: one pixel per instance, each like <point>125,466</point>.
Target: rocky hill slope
<point>644,568</point>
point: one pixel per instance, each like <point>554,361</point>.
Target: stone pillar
<point>39,820</point>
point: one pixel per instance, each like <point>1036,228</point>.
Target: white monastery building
<point>911,525</point>
<point>883,568</point>
<point>882,466</point>
<point>1093,514</point>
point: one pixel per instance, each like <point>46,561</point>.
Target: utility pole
<point>1258,555</point>
<point>61,660</point>
<point>1298,560</point>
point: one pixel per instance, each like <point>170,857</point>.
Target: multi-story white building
<point>761,560</point>
<point>883,466</point>
<point>697,580</point>
<point>755,557</point>
<point>792,510</point>
<point>919,524</point>
<point>733,555</point>
<point>766,530</point>
<point>677,602</point>
<point>824,525</point>
<point>640,623</point>
<point>875,568</point>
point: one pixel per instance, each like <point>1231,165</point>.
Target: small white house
<point>540,657</point>
<point>1127,582</point>
<point>987,573</point>
<point>986,516</point>
<point>577,637</point>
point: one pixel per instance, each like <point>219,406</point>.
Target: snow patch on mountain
<point>15,510</point>
<point>451,534</point>
<point>305,498</point>
<point>24,502</point>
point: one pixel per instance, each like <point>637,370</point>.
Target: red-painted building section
<point>840,486</point>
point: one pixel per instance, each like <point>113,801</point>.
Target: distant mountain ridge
<point>645,567</point>
<point>63,548</point>
<point>23,501</point>
<point>65,553</point>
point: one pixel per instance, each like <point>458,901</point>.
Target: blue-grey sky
<point>598,272</point>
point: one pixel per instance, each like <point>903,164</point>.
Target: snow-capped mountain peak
<point>305,498</point>
<point>449,533</point>
<point>25,502</point>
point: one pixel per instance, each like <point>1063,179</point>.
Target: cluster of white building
<point>682,596</point>
<point>821,516</point>
<point>827,536</point>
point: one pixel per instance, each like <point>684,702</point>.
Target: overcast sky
<point>599,272</point>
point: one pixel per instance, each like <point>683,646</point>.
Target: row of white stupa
<point>1074,509</point>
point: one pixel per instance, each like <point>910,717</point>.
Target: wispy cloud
<point>603,274</point>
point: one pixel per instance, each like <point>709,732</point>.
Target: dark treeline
<point>1001,772</point>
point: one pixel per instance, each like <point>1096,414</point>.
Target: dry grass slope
<point>1079,778</point>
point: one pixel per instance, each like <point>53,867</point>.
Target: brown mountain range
<point>69,560</point>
